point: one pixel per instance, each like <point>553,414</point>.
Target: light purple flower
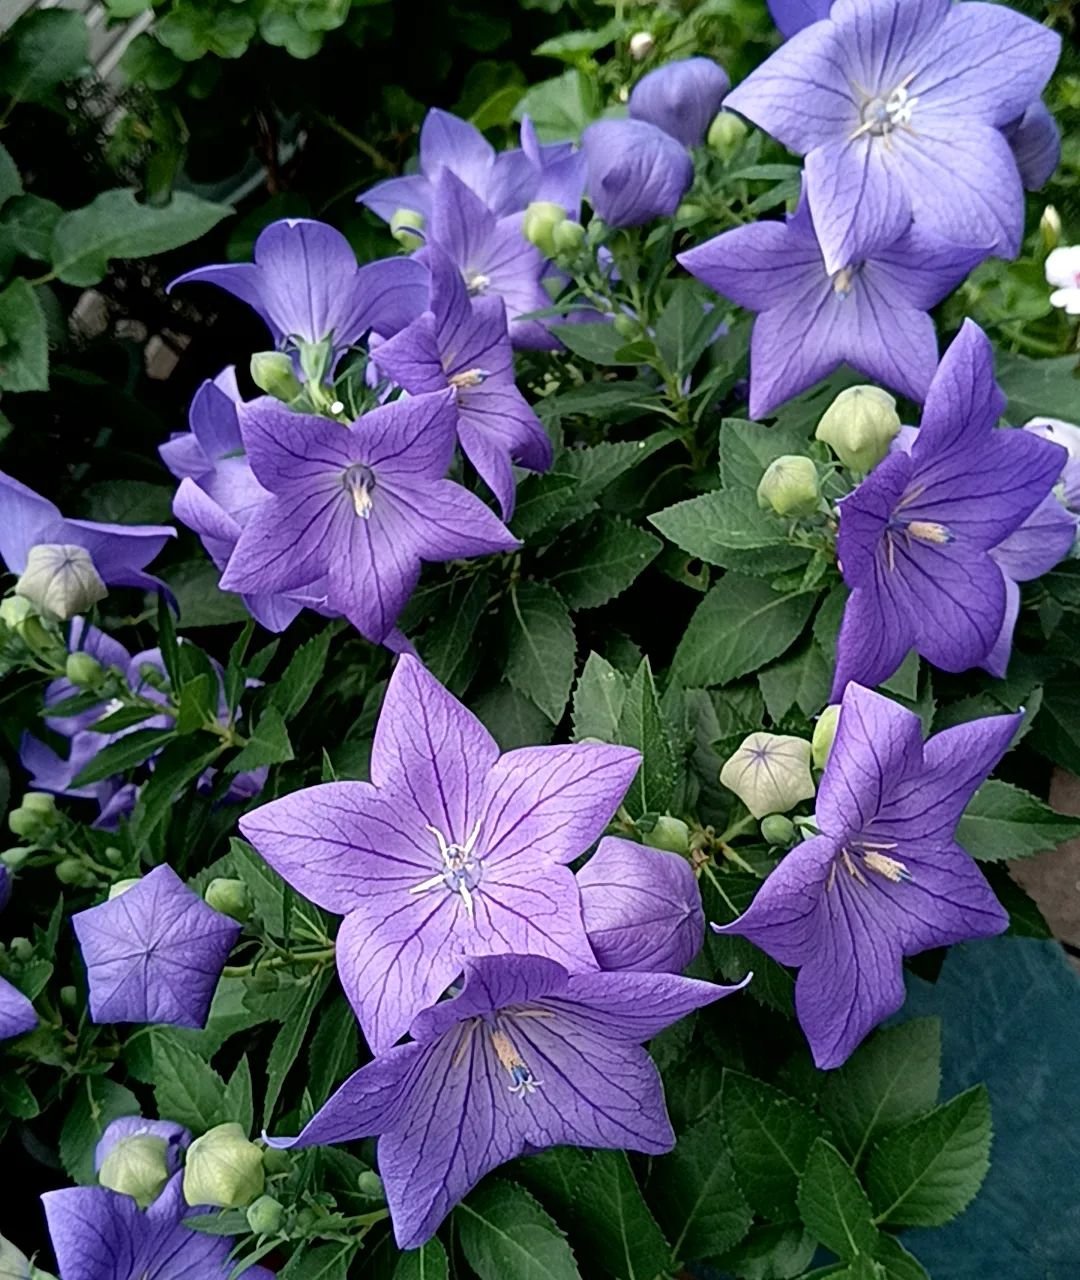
<point>682,98</point>
<point>792,15</point>
<point>916,536</point>
<point>154,953</point>
<point>361,506</point>
<point>1036,145</point>
<point>642,907</point>
<point>177,1139</point>
<point>526,1057</point>
<point>885,878</point>
<point>466,346</point>
<point>1066,434</point>
<point>451,850</point>
<point>17,1014</point>
<point>215,429</point>
<point>898,106</point>
<point>635,171</point>
<point>872,315</point>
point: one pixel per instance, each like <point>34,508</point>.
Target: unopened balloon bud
<point>114,856</point>
<point>859,426</point>
<point>60,580</point>
<point>273,372</point>
<point>71,871</point>
<point>669,833</point>
<point>642,43</point>
<point>28,824</point>
<point>223,1169</point>
<point>276,1161</point>
<point>83,670</point>
<point>265,1216</point>
<point>370,1184</point>
<point>15,610</point>
<point>230,897</point>
<point>790,486</point>
<point>21,948</point>
<point>770,773</point>
<point>122,886</point>
<point>137,1167</point>
<point>1050,228</point>
<point>627,326</point>
<point>538,225</point>
<point>824,733</point>
<point>726,134</point>
<point>69,998</point>
<point>567,236</point>
<point>407,228</point>
<point>13,859</point>
<point>40,802</point>
<point>778,830</point>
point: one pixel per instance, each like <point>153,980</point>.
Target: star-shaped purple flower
<point>154,953</point>
<point>451,850</point>
<point>898,106</point>
<point>871,315</point>
<point>885,878</point>
<point>526,1057</point>
<point>916,536</point>
<point>359,505</point>
<point>681,98</point>
<point>465,346</point>
<point>635,171</point>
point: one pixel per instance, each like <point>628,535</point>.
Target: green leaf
<point>300,677</point>
<point>288,1042</point>
<point>27,226</point>
<point>511,718</point>
<point>503,1232</point>
<point>540,658</point>
<point>896,1262</point>
<point>726,527</point>
<point>17,1100</point>
<point>333,1053</point>
<point>319,1262</point>
<point>607,560</point>
<point>187,1089</point>
<point>540,499</point>
<point>118,757</point>
<point>833,1204</point>
<point>40,52</point>
<point>98,1102</point>
<point>741,625</point>
<point>448,648</point>
<point>642,726</point>
<point>560,108</point>
<point>1003,821</point>
<point>696,1197</point>
<point>10,180</point>
<point>178,766</point>
<point>115,225</point>
<point>685,326</point>
<point>24,343</point>
<point>237,1103</point>
<point>268,891</point>
<point>196,704</point>
<point>429,1262</point>
<point>202,603</point>
<point>747,448</point>
<point>802,680</point>
<point>770,1136</point>
<point>890,1079</point>
<point>267,744</point>
<point>597,343</point>
<point>569,46</point>
<point>599,696</point>
<point>771,1253</point>
<point>929,1170</point>
<point>1039,388</point>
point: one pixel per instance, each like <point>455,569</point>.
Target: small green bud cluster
<point>790,487</point>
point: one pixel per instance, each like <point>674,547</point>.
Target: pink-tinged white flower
<point>1063,272</point>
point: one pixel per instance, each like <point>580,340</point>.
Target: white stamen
<point>477,282</point>
<point>459,870</point>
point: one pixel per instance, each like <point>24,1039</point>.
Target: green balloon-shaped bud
<point>824,733</point>
<point>60,580</point>
<point>541,219</point>
<point>137,1167</point>
<point>15,610</point>
<point>407,226</point>
<point>21,948</point>
<point>13,859</point>
<point>265,1216</point>
<point>770,773</point>
<point>370,1184</point>
<point>28,824</point>
<point>568,236</point>
<point>726,134</point>
<point>669,833</point>
<point>72,871</point>
<point>859,426</point>
<point>790,486</point>
<point>83,670</point>
<point>42,802</point>
<point>778,830</point>
<point>122,886</point>
<point>273,372</point>
<point>230,897</point>
<point>223,1169</point>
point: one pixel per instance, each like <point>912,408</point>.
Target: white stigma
<point>477,283</point>
<point>359,482</point>
<point>524,1082</point>
<point>881,116</point>
<point>460,870</point>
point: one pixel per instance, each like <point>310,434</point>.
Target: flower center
<point>477,282</point>
<point>468,378</point>
<point>880,116</point>
<point>844,281</point>
<point>928,532</point>
<point>359,482</point>
<point>861,856</point>
<point>460,871</point>
<point>523,1082</point>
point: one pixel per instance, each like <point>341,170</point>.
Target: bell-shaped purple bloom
<point>177,1139</point>
<point>916,536</point>
<point>872,315</point>
<point>360,506</point>
<point>1036,145</point>
<point>101,1235</point>
<point>898,106</point>
<point>525,1057</point>
<point>215,429</point>
<point>681,98</point>
<point>792,15</point>
<point>885,878</point>
<point>642,907</point>
<point>451,850</point>
<point>465,346</point>
<point>635,171</point>
<point>154,953</point>
<point>306,285</point>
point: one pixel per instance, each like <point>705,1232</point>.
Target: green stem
<point>361,144</point>
<point>323,956</point>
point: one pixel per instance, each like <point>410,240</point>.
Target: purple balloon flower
<point>1036,145</point>
<point>885,878</point>
<point>466,346</point>
<point>915,537</point>
<point>898,106</point>
<point>526,1057</point>
<point>360,506</point>
<point>642,907</point>
<point>635,171</point>
<point>215,429</point>
<point>681,98</point>
<point>792,15</point>
<point>451,850</point>
<point>155,953</point>
<point>871,315</point>
<point>177,1139</point>
<point>17,1014</point>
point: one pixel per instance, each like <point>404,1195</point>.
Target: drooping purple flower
<point>306,285</point>
<point>360,506</point>
<point>177,1139</point>
<point>915,537</point>
<point>465,346</point>
<point>1066,434</point>
<point>898,106</point>
<point>102,1235</point>
<point>451,850</point>
<point>635,171</point>
<point>872,315</point>
<point>642,907</point>
<point>1036,145</point>
<point>681,98</point>
<point>792,15</point>
<point>154,953</point>
<point>526,1057</point>
<point>885,878</point>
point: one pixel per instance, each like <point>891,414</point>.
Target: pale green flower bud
<point>14,1264</point>
<point>859,426</point>
<point>264,1217</point>
<point>122,886</point>
<point>406,226</point>
<point>567,236</point>
<point>642,43</point>
<point>71,871</point>
<point>223,1169</point>
<point>15,610</point>
<point>726,134</point>
<point>13,859</point>
<point>83,670</point>
<point>778,830</point>
<point>541,219</point>
<point>770,773</point>
<point>60,580</point>
<point>40,802</point>
<point>790,486</point>
<point>136,1167</point>
<point>230,897</point>
<point>824,732</point>
<point>1050,228</point>
<point>669,833</point>
<point>370,1184</point>
<point>28,824</point>
<point>275,1161</point>
<point>21,948</point>
<point>273,372</point>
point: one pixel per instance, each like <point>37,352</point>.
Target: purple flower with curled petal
<point>916,536</point>
<point>635,171</point>
<point>465,346</point>
<point>885,878</point>
<point>155,953</point>
<point>872,315</point>
<point>451,850</point>
<point>681,98</point>
<point>527,1056</point>
<point>215,429</point>
<point>1036,145</point>
<point>792,15</point>
<point>898,107</point>
<point>642,907</point>
<point>177,1139</point>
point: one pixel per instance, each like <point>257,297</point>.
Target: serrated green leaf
<point>27,223</point>
<point>597,343</point>
<point>800,680</point>
<point>41,51</point>
<point>319,1262</point>
<point>16,1100</point>
<point>725,896</point>
<point>201,602</point>
<point>429,1262</point>
<point>620,1229</point>
<point>896,1262</point>
<point>642,726</point>
<point>97,1102</point>
<point>603,563</point>
<point>197,703</point>
<point>696,1197</point>
<point>1038,388</point>
<point>300,678</point>
<point>118,757</point>
<point>267,744</point>
<point>237,1103</point>
<point>1003,821</point>
<point>540,656</point>
<point>747,448</point>
<point>187,1089</point>
<point>599,696</point>
<point>685,326</point>
<point>504,1232</point>
<point>24,343</point>
<point>540,500</point>
<point>176,768</point>
<point>289,1041</point>
<point>726,527</point>
<point>448,649</point>
<point>334,1051</point>
<point>771,1253</point>
<point>511,718</point>
<point>10,180</point>
<point>834,1206</point>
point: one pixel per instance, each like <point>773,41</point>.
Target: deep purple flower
<point>526,1057</point>
<point>635,171</point>
<point>642,907</point>
<point>451,850</point>
<point>871,315</point>
<point>154,953</point>
<point>177,1139</point>
<point>215,429</point>
<point>102,1235</point>
<point>885,878</point>
<point>307,287</point>
<point>681,98</point>
<point>898,106</point>
<point>792,15</point>
<point>915,537</point>
<point>466,346</point>
<point>1036,145</point>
